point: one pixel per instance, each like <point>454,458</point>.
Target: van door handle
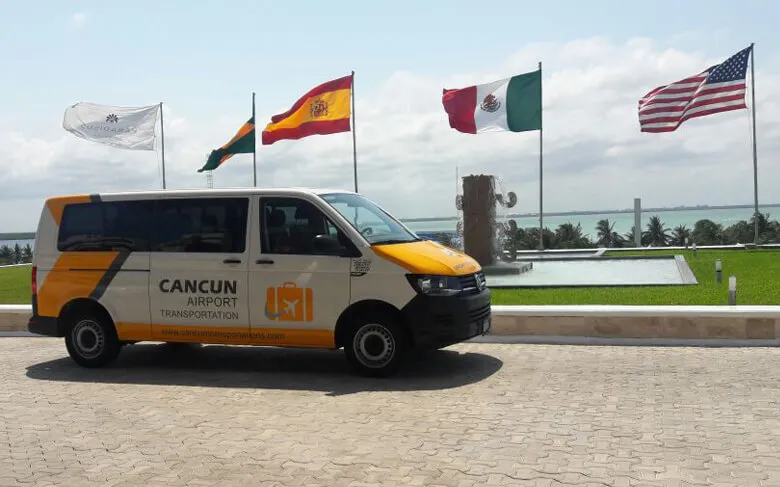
<point>264,261</point>
<point>231,261</point>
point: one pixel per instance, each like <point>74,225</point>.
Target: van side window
<point>105,226</point>
<point>214,225</point>
<point>210,225</point>
<point>290,225</point>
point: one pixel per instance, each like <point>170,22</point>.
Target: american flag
<point>720,88</point>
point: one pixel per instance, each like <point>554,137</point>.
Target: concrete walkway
<point>475,414</point>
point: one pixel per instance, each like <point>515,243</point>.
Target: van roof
<point>224,191</point>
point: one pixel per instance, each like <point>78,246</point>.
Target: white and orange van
<point>282,267</point>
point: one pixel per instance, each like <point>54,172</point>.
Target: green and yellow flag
<point>241,143</point>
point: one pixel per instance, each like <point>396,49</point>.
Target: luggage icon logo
<point>289,302</point>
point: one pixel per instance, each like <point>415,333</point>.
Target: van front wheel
<point>91,342</point>
<point>376,347</point>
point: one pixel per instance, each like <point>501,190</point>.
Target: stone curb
<point>744,324</point>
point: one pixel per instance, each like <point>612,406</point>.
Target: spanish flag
<point>325,109</point>
<point>241,143</point>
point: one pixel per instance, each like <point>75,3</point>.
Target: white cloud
<point>78,20</point>
<point>595,157</point>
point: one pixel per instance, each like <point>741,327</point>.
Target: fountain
<point>483,237</point>
<point>482,233</point>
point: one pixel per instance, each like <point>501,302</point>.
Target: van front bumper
<point>440,321</point>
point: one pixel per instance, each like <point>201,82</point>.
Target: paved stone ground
<point>475,414</point>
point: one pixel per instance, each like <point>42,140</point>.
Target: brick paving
<point>474,414</point>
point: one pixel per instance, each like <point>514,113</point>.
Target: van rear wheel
<point>376,346</point>
<point>92,342</point>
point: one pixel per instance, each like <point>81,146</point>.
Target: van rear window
<point>211,225</point>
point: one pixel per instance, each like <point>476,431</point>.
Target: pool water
<point>600,272</point>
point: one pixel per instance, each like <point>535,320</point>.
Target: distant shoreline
<point>604,212</point>
<point>31,235</point>
<point>18,236</point>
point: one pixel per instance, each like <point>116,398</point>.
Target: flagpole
<point>354,143</point>
<point>755,154</point>
<point>254,149</point>
<point>162,143</point>
<point>541,217</point>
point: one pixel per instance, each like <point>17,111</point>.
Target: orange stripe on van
<point>74,275</point>
<point>133,331</point>
<point>233,335</point>
<point>56,205</point>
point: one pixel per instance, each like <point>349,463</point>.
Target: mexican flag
<point>512,104</point>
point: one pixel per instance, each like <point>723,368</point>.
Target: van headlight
<point>434,285</point>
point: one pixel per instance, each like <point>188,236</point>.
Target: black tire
<point>91,341</point>
<point>376,346</point>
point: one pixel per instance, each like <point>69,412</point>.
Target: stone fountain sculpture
<point>483,236</point>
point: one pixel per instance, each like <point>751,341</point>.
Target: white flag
<point>122,127</point>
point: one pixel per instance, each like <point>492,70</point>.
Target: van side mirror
<point>328,245</point>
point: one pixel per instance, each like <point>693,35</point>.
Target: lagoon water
<point>623,221</point>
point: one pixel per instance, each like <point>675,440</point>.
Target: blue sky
<point>203,59</point>
<point>206,57</point>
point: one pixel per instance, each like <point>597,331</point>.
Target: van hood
<point>427,257</point>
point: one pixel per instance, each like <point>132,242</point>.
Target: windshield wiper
<point>391,241</point>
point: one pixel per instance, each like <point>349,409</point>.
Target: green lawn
<point>757,271</point>
<point>15,285</point>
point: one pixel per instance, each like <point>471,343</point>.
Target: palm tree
<point>628,238</point>
<point>570,236</point>
<point>679,235</point>
<point>517,241</point>
<point>607,236</point>
<point>567,232</point>
<point>707,232</point>
<point>657,234</point>
<point>738,233</point>
<point>27,254</point>
<point>773,232</point>
<point>604,230</point>
<point>618,241</point>
<point>767,229</point>
<point>6,255</point>
<point>529,239</point>
<point>17,254</point>
<point>763,221</point>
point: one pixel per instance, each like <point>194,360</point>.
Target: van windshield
<point>376,225</point>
